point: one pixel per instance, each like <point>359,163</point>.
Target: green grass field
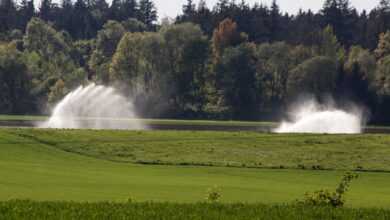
<point>232,149</point>
<point>43,165</point>
<point>146,211</point>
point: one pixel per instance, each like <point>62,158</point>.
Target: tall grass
<point>17,209</point>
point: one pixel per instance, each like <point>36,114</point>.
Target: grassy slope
<point>34,170</point>
<point>236,149</point>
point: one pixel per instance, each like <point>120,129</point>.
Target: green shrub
<point>213,194</point>
<point>130,199</point>
<point>327,198</point>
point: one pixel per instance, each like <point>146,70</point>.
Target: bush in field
<point>130,199</point>
<point>213,194</point>
<point>327,198</point>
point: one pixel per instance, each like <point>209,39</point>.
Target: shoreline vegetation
<point>235,61</point>
<point>175,124</point>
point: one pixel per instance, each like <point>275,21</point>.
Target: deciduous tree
<point>226,35</point>
<point>315,76</point>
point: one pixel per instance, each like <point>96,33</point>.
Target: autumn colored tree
<point>226,35</point>
<point>383,48</point>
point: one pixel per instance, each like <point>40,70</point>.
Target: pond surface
<point>196,127</point>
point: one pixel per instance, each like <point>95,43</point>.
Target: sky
<point>171,8</point>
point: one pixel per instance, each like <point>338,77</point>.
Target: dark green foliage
<point>82,23</point>
<point>359,79</point>
<point>129,9</point>
<point>44,40</point>
<point>260,22</point>
<point>105,47</point>
<point>315,76</point>
<point>340,15</point>
<point>147,13</point>
<point>18,209</point>
<point>45,10</point>
<point>165,69</point>
<point>383,77</point>
<point>49,57</point>
<point>26,12</point>
<point>134,25</point>
<point>188,10</point>
<point>273,71</point>
<point>8,15</point>
<point>187,51</point>
<point>14,81</point>
<point>236,76</point>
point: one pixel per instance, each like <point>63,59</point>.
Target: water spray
<point>311,117</point>
<point>94,107</point>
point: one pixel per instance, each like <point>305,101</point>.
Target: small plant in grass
<point>130,199</point>
<point>327,198</point>
<point>213,194</point>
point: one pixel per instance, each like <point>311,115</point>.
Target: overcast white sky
<point>171,8</point>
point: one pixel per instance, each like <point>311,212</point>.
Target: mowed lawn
<point>35,165</point>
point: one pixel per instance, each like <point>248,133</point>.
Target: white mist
<point>94,107</point>
<point>310,117</point>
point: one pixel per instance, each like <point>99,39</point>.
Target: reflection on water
<point>156,126</point>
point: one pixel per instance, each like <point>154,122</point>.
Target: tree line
<point>81,19</point>
<point>234,61</point>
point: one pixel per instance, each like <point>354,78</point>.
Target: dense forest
<point>232,61</point>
